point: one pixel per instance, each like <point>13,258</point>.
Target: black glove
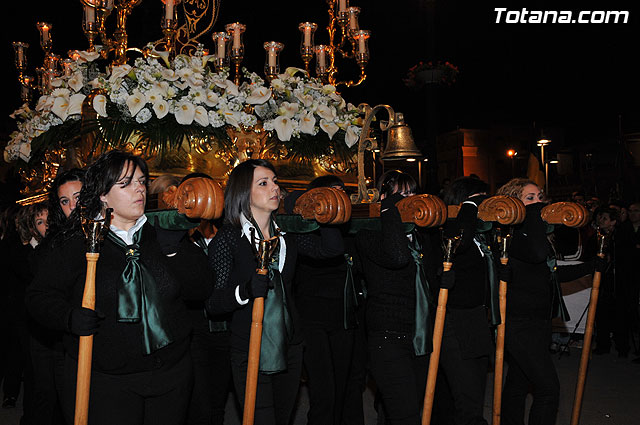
<point>84,321</point>
<point>390,201</point>
<point>504,272</point>
<point>257,287</point>
<point>600,264</point>
<point>448,279</point>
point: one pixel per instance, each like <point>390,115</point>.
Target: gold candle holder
<point>20,56</point>
<point>272,62</point>
<point>236,30</point>
<point>45,36</point>
<point>308,30</point>
<point>89,25</point>
<point>323,58</point>
<point>354,26</point>
<point>221,42</point>
<point>26,86</point>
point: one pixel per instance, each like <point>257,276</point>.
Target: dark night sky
<point>577,79</point>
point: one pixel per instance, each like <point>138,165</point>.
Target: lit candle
<point>362,46</point>
<point>307,36</point>
<point>168,10</point>
<point>90,13</point>
<point>20,56</point>
<point>221,52</point>
<point>321,59</point>
<point>45,33</point>
<point>236,38</point>
<point>272,57</point>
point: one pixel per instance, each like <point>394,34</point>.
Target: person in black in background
<point>466,342</point>
<point>397,269</point>
<point>141,368</point>
<point>47,351</point>
<point>613,314</point>
<point>212,380</point>
<point>251,198</point>
<point>325,296</point>
<point>31,226</point>
<point>634,278</point>
<point>533,298</point>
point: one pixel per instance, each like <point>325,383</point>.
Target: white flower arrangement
<point>294,106</point>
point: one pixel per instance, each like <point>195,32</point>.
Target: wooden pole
<point>253,363</point>
<point>586,346</point>
<point>434,360</point>
<point>85,348</point>
<point>499,363</point>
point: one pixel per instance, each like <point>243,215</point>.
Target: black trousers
<point>211,378</point>
<point>158,397</point>
<point>400,376</point>
<point>327,360</point>
<point>614,315</point>
<point>530,370</point>
<point>353,409</point>
<point>464,364</point>
<point>276,393</point>
<point>47,359</point>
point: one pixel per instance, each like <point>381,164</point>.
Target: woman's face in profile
<point>265,192</point>
<point>127,197</point>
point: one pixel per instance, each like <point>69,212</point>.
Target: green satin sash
<point>492,276</point>
<point>350,302</point>
<point>421,336</point>
<point>171,220</point>
<point>138,297</point>
<point>277,325</point>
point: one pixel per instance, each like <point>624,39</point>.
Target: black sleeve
<point>49,297</point>
<point>530,243</point>
<point>464,224</point>
<point>567,273</point>
<point>190,266</point>
<point>326,243</point>
<point>388,248</point>
<point>222,250</point>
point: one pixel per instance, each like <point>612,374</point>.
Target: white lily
<point>185,112</point>
<point>75,104</point>
<point>329,127</point>
<point>164,55</point>
<point>76,81</point>
<point>184,73</point>
<point>119,72</point>
<point>197,95</point>
<point>292,71</point>
<point>278,85</point>
<point>288,109</point>
<point>100,105</point>
<point>154,95</point>
<point>61,107</point>
<point>307,123</point>
<point>305,99</point>
<point>169,74</point>
<point>229,87</point>
<point>136,101</point>
<point>88,56</point>
<point>161,108</point>
<point>45,103</point>
<point>56,82</point>
<point>352,135</point>
<point>200,116</point>
<point>25,151</point>
<point>211,98</point>
<point>328,89</point>
<point>259,95</point>
<point>283,127</point>
<point>231,117</point>
<point>326,112</point>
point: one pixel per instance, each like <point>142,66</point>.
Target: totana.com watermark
<point>524,16</point>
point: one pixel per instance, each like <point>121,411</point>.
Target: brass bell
<point>400,144</point>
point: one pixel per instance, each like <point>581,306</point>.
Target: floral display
<point>162,101</point>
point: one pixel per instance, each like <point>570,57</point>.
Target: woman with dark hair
<point>466,342</point>
<point>141,371</point>
<point>397,263</point>
<point>251,198</point>
<point>533,298</point>
<point>63,197</point>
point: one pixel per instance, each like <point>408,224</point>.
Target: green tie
<point>494,301</point>
<point>421,341</point>
<point>350,301</point>
<point>276,323</point>
<point>138,297</point>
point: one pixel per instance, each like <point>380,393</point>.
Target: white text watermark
<point>524,16</point>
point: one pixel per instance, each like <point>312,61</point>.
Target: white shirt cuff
<point>240,300</point>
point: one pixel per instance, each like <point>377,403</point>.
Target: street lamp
<point>511,153</point>
<point>546,173</point>
<point>542,143</point>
